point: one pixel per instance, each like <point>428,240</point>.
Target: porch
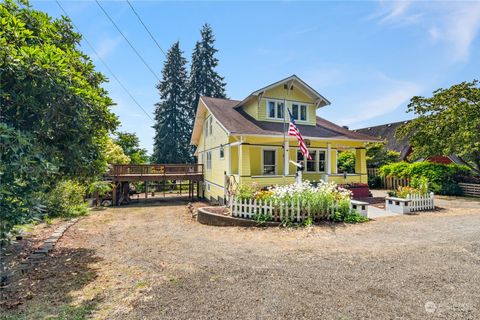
<point>266,161</point>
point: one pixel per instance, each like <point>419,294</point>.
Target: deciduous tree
<point>447,123</point>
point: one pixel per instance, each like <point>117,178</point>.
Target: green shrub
<point>66,200</point>
<point>262,218</point>
<point>442,178</point>
<point>354,217</point>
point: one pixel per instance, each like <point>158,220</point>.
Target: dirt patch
<point>152,261</point>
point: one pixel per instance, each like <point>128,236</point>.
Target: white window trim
<point>263,164</point>
<point>277,102</point>
<point>220,148</point>
<point>317,166</point>
<point>299,104</point>
<point>206,162</point>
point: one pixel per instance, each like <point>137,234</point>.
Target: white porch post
<point>329,160</point>
<point>229,168</point>
<point>286,156</point>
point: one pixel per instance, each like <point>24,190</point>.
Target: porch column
<point>229,167</point>
<point>243,160</point>
<point>286,158</point>
<point>361,164</point>
<point>329,158</point>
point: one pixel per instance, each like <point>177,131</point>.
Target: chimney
<point>345,127</point>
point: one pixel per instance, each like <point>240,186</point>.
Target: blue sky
<point>367,58</point>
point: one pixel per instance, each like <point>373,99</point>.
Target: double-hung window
<point>269,161</point>
<point>209,160</point>
<point>275,110</point>
<point>222,152</point>
<point>318,163</point>
<point>299,112</point>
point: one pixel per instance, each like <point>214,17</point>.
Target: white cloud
<point>394,93</point>
<point>454,24</point>
<point>107,45</point>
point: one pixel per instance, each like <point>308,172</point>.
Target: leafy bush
<point>262,218</point>
<point>346,161</point>
<point>247,191</point>
<point>66,200</point>
<point>374,182</point>
<point>102,187</point>
<point>442,177</point>
<point>354,217</point>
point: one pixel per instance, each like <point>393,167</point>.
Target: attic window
<point>275,110</point>
<point>299,112</point>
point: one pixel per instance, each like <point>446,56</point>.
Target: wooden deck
<point>123,174</point>
<point>156,172</point>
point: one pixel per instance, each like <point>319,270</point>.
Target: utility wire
<point>148,31</point>
<point>104,63</point>
<point>129,43</point>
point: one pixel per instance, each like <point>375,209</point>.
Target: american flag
<point>293,131</point>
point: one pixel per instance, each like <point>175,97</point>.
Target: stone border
<point>48,245</point>
<point>214,219</point>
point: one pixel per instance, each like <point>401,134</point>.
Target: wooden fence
<point>296,211</point>
<point>470,189</point>
<point>421,202</point>
<point>390,183</point>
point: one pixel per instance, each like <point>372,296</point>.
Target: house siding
<point>214,177</point>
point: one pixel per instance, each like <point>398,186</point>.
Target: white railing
<point>421,202</point>
<point>296,211</point>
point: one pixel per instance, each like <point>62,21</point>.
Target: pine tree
<point>173,127</point>
<point>204,79</point>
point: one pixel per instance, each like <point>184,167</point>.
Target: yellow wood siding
<point>214,177</point>
<point>258,109</point>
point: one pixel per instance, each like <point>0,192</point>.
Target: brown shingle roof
<point>237,121</point>
<point>387,132</point>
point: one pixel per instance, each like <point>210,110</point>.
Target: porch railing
<point>156,169</point>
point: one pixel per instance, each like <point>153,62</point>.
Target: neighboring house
<point>386,132</point>
<point>246,139</point>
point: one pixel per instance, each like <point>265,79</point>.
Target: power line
<point>143,24</point>
<point>129,43</point>
<point>104,63</point>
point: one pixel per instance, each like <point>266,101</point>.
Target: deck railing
<point>156,169</point>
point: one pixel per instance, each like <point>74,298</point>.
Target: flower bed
<point>299,203</point>
<point>359,190</point>
<point>411,198</point>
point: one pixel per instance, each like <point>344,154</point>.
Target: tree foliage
<point>131,147</point>
<point>204,79</point>
<point>50,89</point>
<point>23,174</point>
<point>447,123</point>
<point>346,161</point>
<point>378,156</point>
<point>173,125</point>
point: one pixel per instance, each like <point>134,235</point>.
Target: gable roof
<point>387,132</point>
<point>237,122</point>
<point>321,101</point>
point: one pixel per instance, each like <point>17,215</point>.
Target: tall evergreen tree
<point>204,79</point>
<point>172,127</point>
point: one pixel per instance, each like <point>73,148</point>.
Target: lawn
<point>152,261</point>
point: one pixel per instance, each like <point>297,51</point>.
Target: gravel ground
<point>152,261</point>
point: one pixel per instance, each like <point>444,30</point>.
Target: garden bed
<point>220,216</point>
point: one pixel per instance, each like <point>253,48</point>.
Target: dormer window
<point>275,110</point>
<point>299,111</point>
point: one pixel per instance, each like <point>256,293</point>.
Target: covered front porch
<point>266,161</point>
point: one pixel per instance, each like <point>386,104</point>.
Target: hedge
<point>442,177</point>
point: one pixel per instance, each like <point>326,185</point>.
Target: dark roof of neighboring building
<point>237,121</point>
<point>387,132</point>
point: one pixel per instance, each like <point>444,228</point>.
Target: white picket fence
<point>297,211</point>
<point>421,202</point>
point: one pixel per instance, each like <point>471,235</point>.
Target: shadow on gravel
<point>44,291</point>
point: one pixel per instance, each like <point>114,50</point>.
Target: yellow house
<point>246,140</point>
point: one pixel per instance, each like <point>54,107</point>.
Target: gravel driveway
<point>153,261</point>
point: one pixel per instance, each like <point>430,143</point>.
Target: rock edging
<point>48,245</point>
<point>214,219</point>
